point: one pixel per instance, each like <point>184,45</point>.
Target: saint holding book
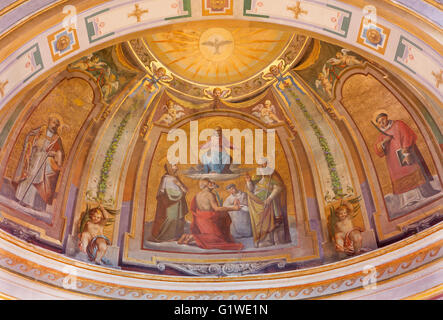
<point>410,176</point>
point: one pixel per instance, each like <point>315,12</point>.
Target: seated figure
<point>216,159</point>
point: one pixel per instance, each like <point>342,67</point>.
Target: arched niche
<point>360,93</point>
<point>76,99</point>
<point>148,166</point>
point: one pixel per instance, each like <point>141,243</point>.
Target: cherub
<point>89,63</point>
<point>92,240</point>
<point>158,74</point>
<point>275,71</point>
<point>323,81</point>
<point>342,58</point>
<point>266,112</point>
<point>172,113</point>
<point>346,236</point>
<point>110,86</point>
<point>216,95</point>
<point>92,64</point>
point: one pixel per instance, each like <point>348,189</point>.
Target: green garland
<point>104,173</point>
<point>335,179</point>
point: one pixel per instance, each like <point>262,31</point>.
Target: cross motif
<point>438,78</point>
<point>137,13</point>
<point>297,10</point>
<point>2,88</point>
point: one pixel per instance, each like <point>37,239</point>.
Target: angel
<point>216,95</point>
<point>343,58</point>
<point>111,86</point>
<point>346,236</point>
<point>92,240</point>
<point>92,64</point>
<point>158,74</point>
<point>266,112</point>
<point>324,82</point>
<point>276,72</point>
<point>172,112</point>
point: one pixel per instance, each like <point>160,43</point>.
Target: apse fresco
<point>218,149</point>
<point>240,229</point>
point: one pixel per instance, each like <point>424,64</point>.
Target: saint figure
<point>169,221</point>
<point>39,166</point>
<point>267,208</point>
<point>210,227</point>
<point>410,176</point>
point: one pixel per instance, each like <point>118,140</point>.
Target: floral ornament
<point>331,197</point>
<point>335,179</point>
<point>106,166</point>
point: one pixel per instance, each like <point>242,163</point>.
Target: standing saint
<point>39,166</point>
<point>267,208</point>
<point>410,176</point>
<point>169,221</point>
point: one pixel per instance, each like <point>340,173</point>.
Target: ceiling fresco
<point>218,56</point>
<point>135,183</point>
<point>220,149</point>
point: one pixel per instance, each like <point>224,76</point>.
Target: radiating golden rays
<point>215,55</point>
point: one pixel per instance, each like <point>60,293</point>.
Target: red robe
<point>403,177</point>
<point>211,229</point>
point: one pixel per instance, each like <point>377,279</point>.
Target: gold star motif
<point>297,10</point>
<point>2,87</point>
<point>137,13</point>
<point>438,78</point>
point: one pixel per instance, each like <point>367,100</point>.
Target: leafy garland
<point>104,173</point>
<point>335,179</point>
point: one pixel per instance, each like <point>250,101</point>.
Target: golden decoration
<point>62,43</point>
<point>216,44</point>
<point>212,55</point>
<point>438,78</point>
<point>2,87</point>
<point>373,36</point>
<point>217,4</point>
<point>137,12</point>
<point>312,58</point>
<point>297,10</point>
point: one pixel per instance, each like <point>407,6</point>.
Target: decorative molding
<point>221,269</point>
<point>422,224</point>
<point>217,7</point>
<point>63,42</point>
<point>387,266</point>
<point>19,231</point>
<point>373,35</point>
